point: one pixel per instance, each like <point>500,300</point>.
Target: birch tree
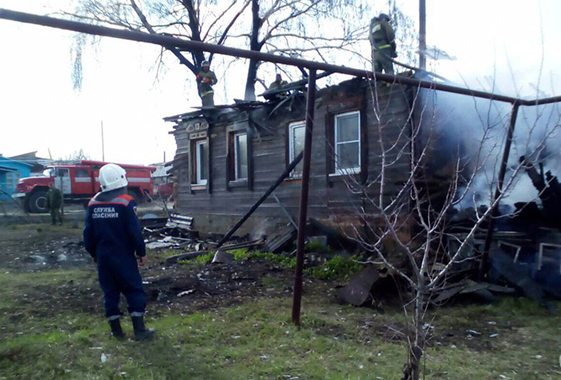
<point>195,20</point>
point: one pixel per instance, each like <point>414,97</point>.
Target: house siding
<point>8,182</point>
<point>330,200</point>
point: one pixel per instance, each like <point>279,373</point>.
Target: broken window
<point>200,162</point>
<point>239,157</point>
<point>347,143</point>
<point>296,133</point>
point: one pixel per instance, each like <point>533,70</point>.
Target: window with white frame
<point>200,162</point>
<point>240,156</point>
<point>296,133</point>
<point>347,143</point>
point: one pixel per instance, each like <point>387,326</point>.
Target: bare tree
<point>196,20</point>
<point>314,29</point>
<point>400,207</point>
<point>326,30</point>
<point>78,155</point>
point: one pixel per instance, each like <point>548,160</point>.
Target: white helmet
<point>112,177</point>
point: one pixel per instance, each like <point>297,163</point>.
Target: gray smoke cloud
<point>472,132</point>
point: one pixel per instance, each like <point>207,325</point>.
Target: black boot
<point>116,329</point>
<point>140,331</point>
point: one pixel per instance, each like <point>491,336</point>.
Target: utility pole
<point>102,144</point>
<point>422,35</point>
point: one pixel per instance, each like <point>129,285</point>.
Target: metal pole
<point>422,35</point>
<point>285,211</point>
<point>167,41</point>
<point>310,108</point>
<point>484,263</point>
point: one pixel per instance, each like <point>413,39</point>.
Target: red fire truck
<point>79,183</point>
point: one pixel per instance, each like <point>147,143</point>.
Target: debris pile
<point>172,232</point>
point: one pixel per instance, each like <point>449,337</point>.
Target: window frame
<point>197,164</point>
<point>291,153</point>
<point>234,167</point>
<point>233,180</point>
<point>337,169</point>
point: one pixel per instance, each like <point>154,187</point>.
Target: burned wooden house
<point>228,156</point>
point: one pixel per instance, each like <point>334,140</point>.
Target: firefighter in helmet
<point>206,79</point>
<point>113,237</point>
<point>382,40</point>
<point>279,82</point>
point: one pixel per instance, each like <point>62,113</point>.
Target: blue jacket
<point>112,228</point>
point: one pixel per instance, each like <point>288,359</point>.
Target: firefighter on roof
<point>279,82</point>
<point>382,40</point>
<point>113,237</point>
<point>206,79</point>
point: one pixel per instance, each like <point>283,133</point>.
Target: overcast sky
<point>514,41</point>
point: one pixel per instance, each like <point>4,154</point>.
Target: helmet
<point>205,63</point>
<point>112,177</point>
<point>384,17</point>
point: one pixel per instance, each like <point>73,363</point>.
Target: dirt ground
<point>55,276</point>
<point>180,288</point>
<point>188,287</point>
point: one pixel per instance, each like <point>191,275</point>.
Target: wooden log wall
<point>334,199</point>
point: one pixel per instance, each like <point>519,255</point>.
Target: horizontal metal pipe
<point>225,50</point>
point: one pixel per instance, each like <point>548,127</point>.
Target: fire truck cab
<point>79,183</point>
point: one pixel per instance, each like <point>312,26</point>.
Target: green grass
<point>204,259</point>
<point>256,340</point>
<point>276,259</point>
<point>337,267</point>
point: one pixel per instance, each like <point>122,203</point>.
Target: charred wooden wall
<point>334,199</point>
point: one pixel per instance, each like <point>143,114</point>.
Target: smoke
<point>469,133</point>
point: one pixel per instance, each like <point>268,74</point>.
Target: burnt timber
<point>384,113</point>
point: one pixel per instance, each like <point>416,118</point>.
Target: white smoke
<point>473,131</point>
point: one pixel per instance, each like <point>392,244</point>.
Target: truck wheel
<point>25,205</point>
<point>38,202</point>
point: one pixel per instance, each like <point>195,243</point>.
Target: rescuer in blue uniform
<point>113,237</point>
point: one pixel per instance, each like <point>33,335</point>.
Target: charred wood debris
<point>525,253</point>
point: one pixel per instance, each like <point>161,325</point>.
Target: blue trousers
<point>118,274</point>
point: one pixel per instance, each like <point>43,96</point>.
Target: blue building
<point>10,173</point>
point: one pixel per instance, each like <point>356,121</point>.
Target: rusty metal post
<point>310,108</point>
<point>484,263</point>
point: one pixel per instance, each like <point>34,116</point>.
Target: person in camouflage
<point>206,79</point>
<point>279,82</point>
<point>54,202</point>
<point>382,40</point>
